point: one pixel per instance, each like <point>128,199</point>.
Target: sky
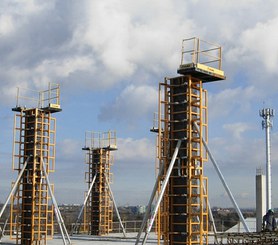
<point>109,56</point>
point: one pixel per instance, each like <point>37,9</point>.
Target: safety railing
<point>195,50</point>
<point>94,140</point>
<point>29,98</point>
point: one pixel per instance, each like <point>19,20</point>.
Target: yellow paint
<point>56,106</point>
<point>210,69</point>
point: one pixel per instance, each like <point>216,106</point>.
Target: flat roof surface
<point>112,239</point>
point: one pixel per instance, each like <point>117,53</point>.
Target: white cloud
<point>128,36</point>
<point>28,7</point>
<point>233,150</point>
<point>232,100</point>
<point>13,14</point>
<point>131,105</point>
<point>108,34</point>
<point>110,41</point>
<point>135,150</point>
<point>69,149</point>
<point>237,129</point>
<point>62,68</point>
<point>257,46</point>
<point>6,24</point>
<point>24,7</point>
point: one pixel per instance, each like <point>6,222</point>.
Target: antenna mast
<point>267,115</point>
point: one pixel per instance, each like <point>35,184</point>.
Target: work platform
<point>202,72</point>
<point>202,60</point>
<point>52,108</point>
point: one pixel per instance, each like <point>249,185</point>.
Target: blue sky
<point>110,55</point>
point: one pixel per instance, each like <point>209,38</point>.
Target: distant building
<point>260,198</point>
<point>138,209</point>
<point>141,209</point>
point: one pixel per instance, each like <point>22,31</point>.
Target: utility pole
<point>267,115</point>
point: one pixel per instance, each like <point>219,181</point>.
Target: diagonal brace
<point>222,180</point>
<point>56,208</point>
<point>115,205</point>
<point>163,188</point>
<point>15,186</point>
<point>84,203</point>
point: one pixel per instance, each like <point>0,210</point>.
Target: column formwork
<point>98,211</point>
<point>183,213</point>
<point>34,142</point>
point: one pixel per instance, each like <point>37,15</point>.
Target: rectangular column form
<point>98,211</point>
<point>184,211</point>
<point>31,214</point>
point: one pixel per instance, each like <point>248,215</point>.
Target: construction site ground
<point>268,238</point>
<point>112,239</point>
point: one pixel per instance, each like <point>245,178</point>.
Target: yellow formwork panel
<point>183,216</point>
<point>98,212</point>
<point>31,213</point>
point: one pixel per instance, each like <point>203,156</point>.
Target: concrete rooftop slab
<point>112,239</point>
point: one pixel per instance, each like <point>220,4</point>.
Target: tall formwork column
<point>34,141</point>
<point>183,212</point>
<point>98,212</point>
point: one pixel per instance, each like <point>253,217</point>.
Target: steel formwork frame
<point>98,211</point>
<point>183,214</point>
<point>34,142</point>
